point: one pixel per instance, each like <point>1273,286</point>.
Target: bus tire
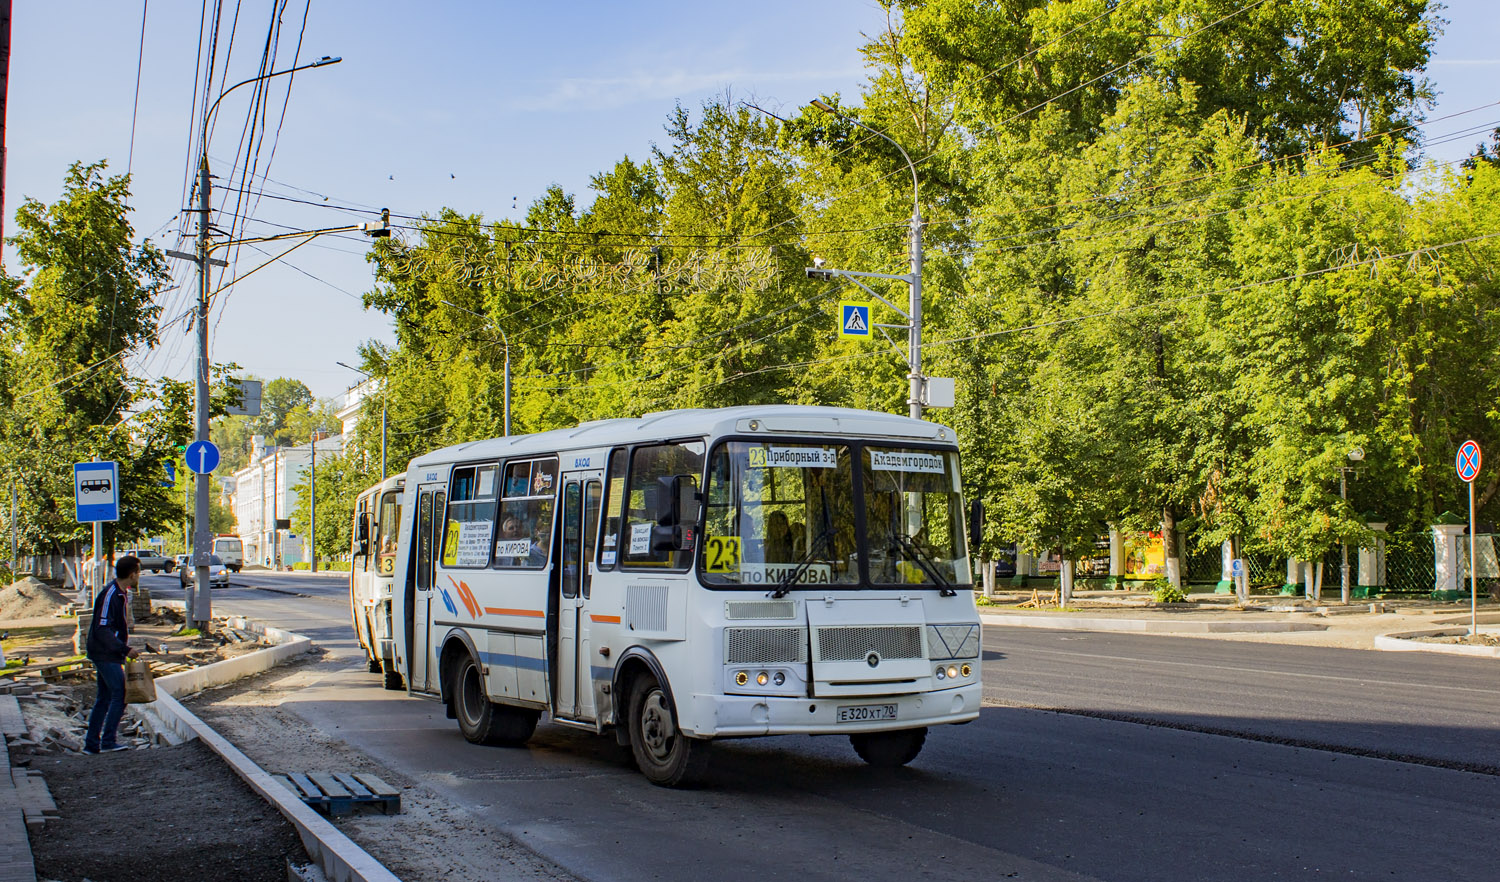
<point>664,755</point>
<point>889,750</point>
<point>481,720</point>
<point>393,680</point>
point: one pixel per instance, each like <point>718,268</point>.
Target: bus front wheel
<point>888,750</point>
<point>481,720</point>
<point>662,752</point>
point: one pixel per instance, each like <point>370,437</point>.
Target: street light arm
<point>826,108</point>
<point>212,108</point>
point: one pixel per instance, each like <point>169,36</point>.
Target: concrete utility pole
<point>4,92</point>
<point>312,507</point>
<point>913,312</point>
<point>203,538</point>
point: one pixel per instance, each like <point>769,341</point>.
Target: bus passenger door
<point>580,519</point>
<point>429,525</point>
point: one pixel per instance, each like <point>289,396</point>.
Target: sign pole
<point>1473,580</point>
<point>1468,464</point>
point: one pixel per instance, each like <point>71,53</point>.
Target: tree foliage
<point>1181,257</point>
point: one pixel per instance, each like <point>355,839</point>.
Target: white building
<point>266,491</point>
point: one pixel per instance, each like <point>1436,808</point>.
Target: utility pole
<point>202,538</point>
<point>201,605</point>
<point>913,312</point>
<point>276,508</point>
<point>4,92</point>
<point>312,507</point>
<point>14,531</point>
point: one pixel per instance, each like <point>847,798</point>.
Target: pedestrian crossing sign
<point>855,319</point>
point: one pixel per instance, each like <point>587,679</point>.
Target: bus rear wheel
<point>662,752</point>
<point>889,750</point>
<point>481,720</point>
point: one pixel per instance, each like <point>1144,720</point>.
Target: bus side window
<point>647,504</point>
<point>614,505</point>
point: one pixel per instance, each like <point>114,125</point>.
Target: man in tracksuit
<point>108,647</point>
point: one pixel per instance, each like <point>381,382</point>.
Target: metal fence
<point>1410,563</point>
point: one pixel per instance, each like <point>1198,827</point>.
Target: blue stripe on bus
<point>514,661</point>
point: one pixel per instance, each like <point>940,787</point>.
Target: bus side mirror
<point>976,524</point>
<point>677,516</point>
<point>362,537</point>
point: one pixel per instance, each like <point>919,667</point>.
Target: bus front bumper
<point>734,716</point>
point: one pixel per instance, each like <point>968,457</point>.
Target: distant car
<point>151,560</point>
<point>218,574</point>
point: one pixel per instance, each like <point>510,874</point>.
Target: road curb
<point>339,857</point>
<point>1085,623</point>
<point>1400,641</point>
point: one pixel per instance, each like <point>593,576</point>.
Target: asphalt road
<point>1021,793</point>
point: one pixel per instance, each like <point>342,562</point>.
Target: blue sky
<point>475,105</point>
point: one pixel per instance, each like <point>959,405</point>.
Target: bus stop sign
<point>1468,462</point>
<point>96,491</point>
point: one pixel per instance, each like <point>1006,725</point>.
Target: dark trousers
<point>109,706</point>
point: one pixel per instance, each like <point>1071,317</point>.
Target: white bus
<point>694,575</point>
<point>230,550</point>
<point>377,518</point>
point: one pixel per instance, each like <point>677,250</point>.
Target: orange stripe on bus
<point>528,613</point>
<point>613,620</point>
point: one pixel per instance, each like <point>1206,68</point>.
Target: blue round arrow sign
<point>1468,461</point>
<point>202,457</point>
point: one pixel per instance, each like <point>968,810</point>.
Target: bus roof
<point>771,420</point>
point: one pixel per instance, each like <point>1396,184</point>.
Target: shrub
<point>1163,592</point>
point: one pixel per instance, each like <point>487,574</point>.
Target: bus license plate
<point>865,713</point>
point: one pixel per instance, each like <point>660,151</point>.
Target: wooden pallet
<point>337,793</point>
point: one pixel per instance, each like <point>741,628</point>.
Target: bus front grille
<point>765,646</point>
<point>845,643</point>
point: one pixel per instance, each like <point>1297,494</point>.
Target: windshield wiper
<point>790,579</point>
<point>818,542</point>
<point>914,551</point>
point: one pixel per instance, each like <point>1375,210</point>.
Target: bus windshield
<point>774,510</point>
<point>779,515</point>
<point>914,517</point>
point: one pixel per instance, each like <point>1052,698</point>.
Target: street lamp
<point>1355,455</point>
<point>506,339</point>
<point>200,603</point>
<point>914,280</point>
<point>384,400</point>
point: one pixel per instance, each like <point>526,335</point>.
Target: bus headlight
<point>762,678</point>
<point>952,671</point>
<point>741,678</point>
<point>967,670</point>
<point>780,678</point>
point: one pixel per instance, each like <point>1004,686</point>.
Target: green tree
<point>84,304</point>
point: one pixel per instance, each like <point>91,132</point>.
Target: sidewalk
<point>1268,618</point>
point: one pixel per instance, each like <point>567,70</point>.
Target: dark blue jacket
<point>109,641</point>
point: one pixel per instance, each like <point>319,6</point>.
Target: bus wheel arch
<point>663,752</point>
<point>457,647</point>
